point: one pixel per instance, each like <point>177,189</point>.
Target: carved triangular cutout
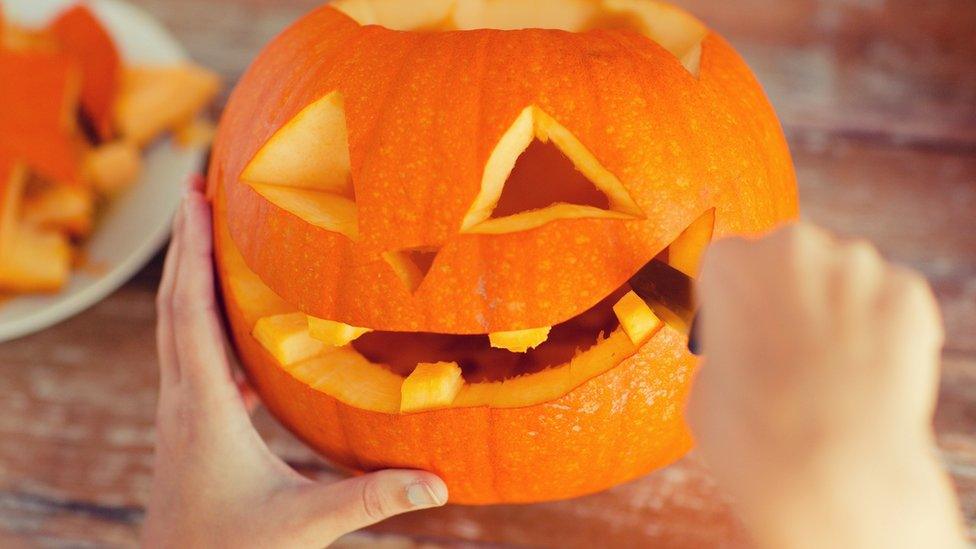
<point>412,265</point>
<point>540,172</point>
<point>304,168</point>
<point>310,152</point>
<point>544,177</point>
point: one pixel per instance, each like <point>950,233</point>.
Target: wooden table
<point>879,101</point>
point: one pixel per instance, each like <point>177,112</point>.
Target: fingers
<point>359,502</point>
<point>166,345</point>
<point>198,335</point>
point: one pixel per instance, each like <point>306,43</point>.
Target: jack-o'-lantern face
<point>426,223</point>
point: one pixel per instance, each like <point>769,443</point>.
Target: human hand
<point>216,483</point>
<point>814,405</point>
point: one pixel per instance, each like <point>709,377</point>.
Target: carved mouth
<point>401,352</point>
<point>409,371</point>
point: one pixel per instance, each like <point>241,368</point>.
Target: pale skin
<point>829,447</point>
<point>216,483</point>
<point>815,403</point>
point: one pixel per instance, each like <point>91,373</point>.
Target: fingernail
<point>422,494</point>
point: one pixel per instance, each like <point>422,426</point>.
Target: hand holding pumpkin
<point>815,404</point>
<point>216,483</point>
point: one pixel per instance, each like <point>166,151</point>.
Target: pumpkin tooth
<point>431,386</point>
<point>519,341</point>
<point>688,250</point>
<point>636,318</point>
<point>332,333</point>
<point>287,338</point>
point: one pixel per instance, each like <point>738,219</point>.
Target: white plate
<point>137,223</point>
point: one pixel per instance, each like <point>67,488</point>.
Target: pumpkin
<point>426,214</point>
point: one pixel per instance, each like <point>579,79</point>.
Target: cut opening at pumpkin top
<point>674,29</point>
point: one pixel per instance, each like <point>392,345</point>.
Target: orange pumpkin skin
<point>427,108</point>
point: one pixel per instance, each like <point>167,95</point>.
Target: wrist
<point>883,496</point>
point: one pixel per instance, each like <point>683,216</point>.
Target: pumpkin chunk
<point>286,337</point>
<point>636,318</point>
<point>84,38</point>
<point>113,167</point>
<point>520,341</point>
<point>311,151</point>
<point>35,261</point>
<point>156,99</point>
<point>334,334</point>
<point>534,124</point>
<point>688,250</point>
<point>67,208</point>
<point>431,386</point>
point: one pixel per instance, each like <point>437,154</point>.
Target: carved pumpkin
<point>426,219</point>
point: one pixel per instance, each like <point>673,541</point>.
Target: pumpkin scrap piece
<point>334,334</point>
<point>431,386</point>
<point>86,41</point>
<point>66,208</point>
<point>286,337</point>
<point>35,261</point>
<point>519,341</point>
<point>38,101</point>
<point>636,318</point>
<point>155,99</point>
<point>113,167</point>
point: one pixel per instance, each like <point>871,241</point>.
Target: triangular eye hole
<point>412,265</point>
<point>539,173</point>
<point>305,169</point>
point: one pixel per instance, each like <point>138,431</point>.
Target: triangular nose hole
<point>543,176</point>
<point>539,172</point>
<point>412,265</point>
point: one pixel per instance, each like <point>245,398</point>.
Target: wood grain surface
<point>879,101</point>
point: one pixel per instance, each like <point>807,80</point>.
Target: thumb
<point>355,503</point>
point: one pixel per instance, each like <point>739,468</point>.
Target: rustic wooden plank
<point>901,69</point>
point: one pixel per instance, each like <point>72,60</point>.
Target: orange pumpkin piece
<point>83,37</point>
<point>38,102</point>
<point>66,208</point>
<point>636,318</point>
<point>36,261</point>
<point>12,183</point>
<point>113,167</point>
<point>197,133</point>
<point>153,100</point>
